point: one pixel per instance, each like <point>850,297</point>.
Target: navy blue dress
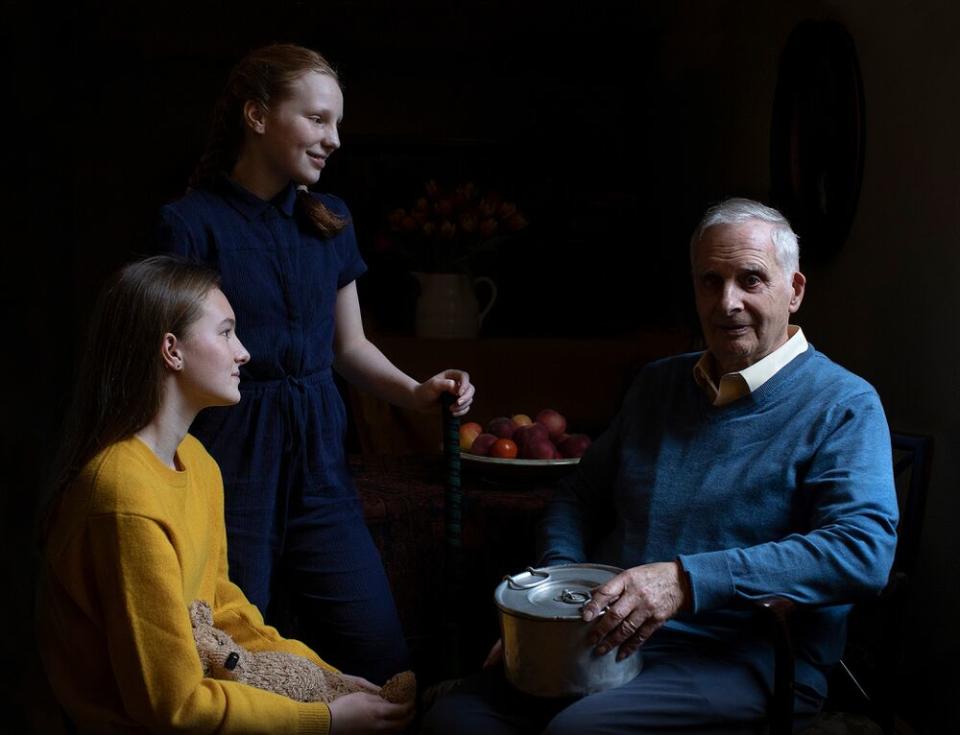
<point>294,521</point>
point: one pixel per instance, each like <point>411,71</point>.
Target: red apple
<point>503,449</point>
<point>501,427</point>
<point>574,445</point>
<point>554,421</point>
<point>481,445</point>
<point>538,449</point>
<point>521,419</point>
<point>526,435</point>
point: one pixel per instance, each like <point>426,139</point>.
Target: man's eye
<point>752,281</point>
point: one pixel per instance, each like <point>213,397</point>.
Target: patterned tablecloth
<point>403,501</point>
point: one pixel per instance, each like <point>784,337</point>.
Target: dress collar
<point>250,205</point>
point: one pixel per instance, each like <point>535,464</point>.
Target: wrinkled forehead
<point>750,241</point>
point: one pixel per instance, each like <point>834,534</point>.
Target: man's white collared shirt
<point>743,382</point>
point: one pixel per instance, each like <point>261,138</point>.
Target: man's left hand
<point>637,602</point>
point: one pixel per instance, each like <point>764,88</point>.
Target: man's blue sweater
<point>787,491</point>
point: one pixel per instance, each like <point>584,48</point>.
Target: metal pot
<point>545,645</point>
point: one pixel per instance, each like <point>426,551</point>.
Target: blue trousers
<point>327,588</point>
<point>298,544</point>
<point>682,689</point>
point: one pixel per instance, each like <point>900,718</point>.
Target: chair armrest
<point>775,612</point>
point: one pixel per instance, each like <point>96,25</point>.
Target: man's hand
<point>637,601</point>
<point>495,657</point>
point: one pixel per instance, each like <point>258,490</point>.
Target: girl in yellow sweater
<point>136,531</point>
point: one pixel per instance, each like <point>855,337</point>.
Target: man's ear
<point>170,352</point>
<point>255,116</point>
<point>799,285</point>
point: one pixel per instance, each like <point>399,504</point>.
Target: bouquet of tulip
<point>445,230</point>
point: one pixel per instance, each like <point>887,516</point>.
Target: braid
<point>326,222</point>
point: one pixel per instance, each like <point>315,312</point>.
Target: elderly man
<point>757,467</point>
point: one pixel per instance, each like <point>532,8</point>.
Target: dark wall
<point>564,111</point>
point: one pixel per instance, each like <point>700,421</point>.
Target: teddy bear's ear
<point>200,613</point>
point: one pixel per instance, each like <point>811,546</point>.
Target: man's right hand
<point>635,604</point>
<point>362,712</point>
<point>495,656</point>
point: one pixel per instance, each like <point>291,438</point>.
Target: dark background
<point>612,125</point>
<point>549,104</point>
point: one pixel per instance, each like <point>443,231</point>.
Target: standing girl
<point>136,533</point>
<point>289,262</point>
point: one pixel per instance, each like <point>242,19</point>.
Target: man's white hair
<point>736,211</point>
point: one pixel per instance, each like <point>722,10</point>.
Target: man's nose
<point>731,299</point>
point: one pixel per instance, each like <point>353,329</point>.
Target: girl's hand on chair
<point>455,382</point>
<point>360,713</point>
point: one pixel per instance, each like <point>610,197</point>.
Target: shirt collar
<point>250,205</point>
<point>743,382</point>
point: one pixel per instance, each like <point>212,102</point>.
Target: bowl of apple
<point>523,444</point>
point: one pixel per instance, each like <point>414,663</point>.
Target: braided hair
<point>262,76</point>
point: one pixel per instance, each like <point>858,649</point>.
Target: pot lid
<point>551,593</point>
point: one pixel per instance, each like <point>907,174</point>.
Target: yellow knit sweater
<point>132,543</point>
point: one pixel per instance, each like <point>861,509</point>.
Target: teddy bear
<point>276,671</point>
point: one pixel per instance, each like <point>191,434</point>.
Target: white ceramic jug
<point>448,306</point>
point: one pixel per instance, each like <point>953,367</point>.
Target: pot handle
<point>574,597</point>
<point>514,585</point>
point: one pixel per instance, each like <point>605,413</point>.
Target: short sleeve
<point>352,265</point>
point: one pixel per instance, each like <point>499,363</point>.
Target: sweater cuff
<point>711,583</point>
<point>314,719</point>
